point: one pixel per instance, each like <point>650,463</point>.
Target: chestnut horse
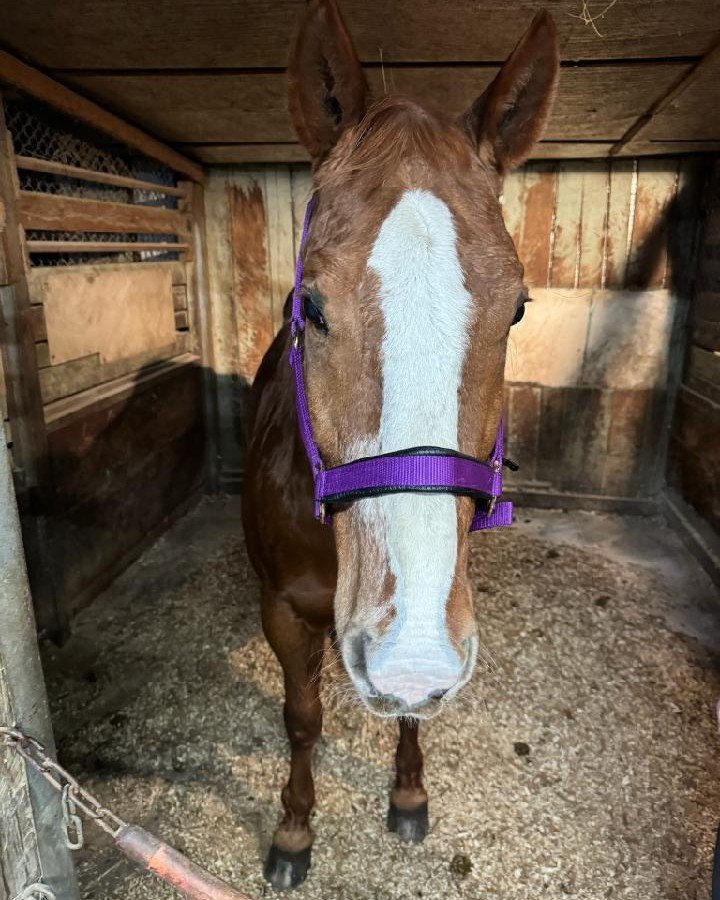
<point>410,285</point>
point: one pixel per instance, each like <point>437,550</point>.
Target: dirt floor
<point>584,762</point>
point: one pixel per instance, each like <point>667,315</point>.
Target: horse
<point>408,286</point>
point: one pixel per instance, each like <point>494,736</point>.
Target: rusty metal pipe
<point>171,866</point>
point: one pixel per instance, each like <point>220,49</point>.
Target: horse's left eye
<point>313,314</point>
<point>520,311</point>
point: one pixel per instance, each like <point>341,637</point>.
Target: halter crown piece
<point>416,469</point>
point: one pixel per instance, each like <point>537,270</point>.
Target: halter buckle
<point>491,506</point>
<point>322,514</point>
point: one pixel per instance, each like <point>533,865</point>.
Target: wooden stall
<point>151,199</point>
<point>103,375</point>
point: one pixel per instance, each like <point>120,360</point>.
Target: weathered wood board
<point>115,314</point>
<point>587,368</point>
<point>256,33</point>
<point>593,103</point>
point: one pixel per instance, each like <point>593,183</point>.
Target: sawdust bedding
<point>582,761</point>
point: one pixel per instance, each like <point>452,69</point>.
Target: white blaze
<point>426,310</point>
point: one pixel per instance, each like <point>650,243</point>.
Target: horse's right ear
<point>327,90</point>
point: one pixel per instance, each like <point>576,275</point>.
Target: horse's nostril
<point>437,695</point>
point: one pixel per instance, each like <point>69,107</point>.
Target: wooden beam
<point>593,103</point>
<point>55,212</point>
<point>104,247</point>
<point>256,33</point>
<point>32,817</point>
<point>202,326</point>
<point>33,82</point>
<point>240,154</point>
<point>32,164</point>
<point>668,96</point>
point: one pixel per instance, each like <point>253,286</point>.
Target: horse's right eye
<point>313,314</point>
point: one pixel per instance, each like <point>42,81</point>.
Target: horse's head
<point>411,283</point>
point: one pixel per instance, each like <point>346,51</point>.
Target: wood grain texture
<point>54,212</point>
<point>38,85</point>
<point>80,374</point>
<point>592,103</point>
<point>231,33</point>
<point>34,164</point>
<point>290,152</point>
<point>694,464</point>
<point>115,314</point>
<point>120,473</point>
<point>655,190</point>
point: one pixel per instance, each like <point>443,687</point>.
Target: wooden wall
<point>102,384</point>
<point>591,369</point>
<point>694,462</point>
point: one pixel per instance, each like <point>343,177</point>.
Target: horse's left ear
<point>510,116</point>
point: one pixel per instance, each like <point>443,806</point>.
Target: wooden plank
<point>656,184</point>
<point>593,102</point>
<point>114,314</point>
<point>252,298</point>
<point>290,152</point>
<point>279,238</point>
<point>523,422</point>
<point>80,374</point>
<point>201,316</point>
<point>680,111</point>
<point>36,318</point>
<point>180,297</point>
<point>549,461</point>
<point>565,262</point>
<point>105,247</point>
<point>69,409</point>
<point>513,202</point>
<point>247,33</point>
<point>55,212</point>
<point>593,224</point>
<point>42,351</point>
<point>221,308</point>
<point>704,366</point>
<point>33,82</point>
<point>585,426</point>
<point>623,183</point>
<point>694,464</point>
<point>96,451</point>
<point>31,811</point>
<point>624,463</point>
<point>706,333</point>
<point>33,164</point>
<point>538,209</point>
<point>94,540</point>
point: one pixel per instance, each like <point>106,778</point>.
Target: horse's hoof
<point>285,869</point>
<point>409,825</point>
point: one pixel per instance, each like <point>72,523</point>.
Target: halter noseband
<point>416,469</point>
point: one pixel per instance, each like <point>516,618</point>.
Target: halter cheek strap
<point>416,469</point>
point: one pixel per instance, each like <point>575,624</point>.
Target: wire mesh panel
<point>40,132</point>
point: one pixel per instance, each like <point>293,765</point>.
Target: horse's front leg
<point>300,651</point>
<point>408,812</point>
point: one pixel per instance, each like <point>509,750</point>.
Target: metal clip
<point>35,892</point>
<point>491,506</point>
<point>322,513</point>
<point>71,820</point>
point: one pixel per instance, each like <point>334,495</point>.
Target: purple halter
<point>417,469</point>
